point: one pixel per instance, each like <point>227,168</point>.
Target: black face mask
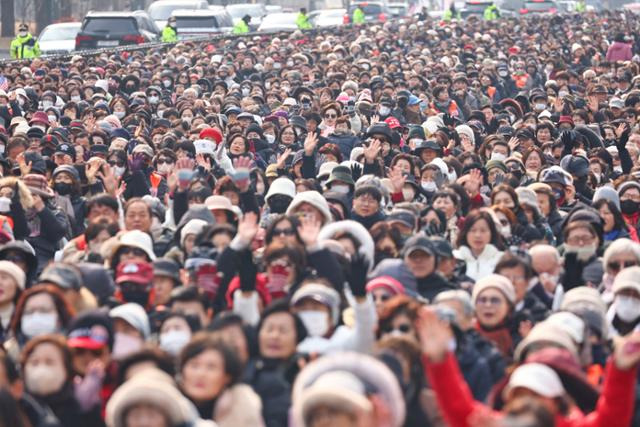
<point>629,207</point>
<point>279,204</point>
<point>47,152</point>
<point>598,354</point>
<point>140,297</point>
<point>380,255</point>
<point>199,194</point>
<point>63,188</point>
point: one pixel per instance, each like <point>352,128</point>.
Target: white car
<point>327,17</point>
<point>256,11</point>
<point>195,23</point>
<point>59,38</point>
<point>279,22</point>
<point>160,10</point>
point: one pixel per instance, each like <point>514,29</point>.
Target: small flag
<point>4,83</point>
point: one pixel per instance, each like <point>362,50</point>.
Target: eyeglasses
<point>489,301</point>
<point>580,240</point>
<point>330,116</point>
<point>364,199</point>
<point>165,161</point>
<point>283,232</point>
<point>114,163</point>
<point>617,266</point>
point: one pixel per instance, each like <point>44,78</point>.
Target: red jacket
<point>619,51</point>
<point>614,409</point>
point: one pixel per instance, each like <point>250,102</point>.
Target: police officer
<point>242,27</point>
<point>302,20</point>
<point>358,16</point>
<point>491,13</point>
<point>24,45</point>
<point>169,33</point>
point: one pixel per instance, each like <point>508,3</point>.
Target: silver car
<point>59,38</point>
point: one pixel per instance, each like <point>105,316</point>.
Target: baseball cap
<point>577,166</point>
<point>539,378</point>
<point>418,242</point>
<point>555,174</point>
<point>66,149</point>
<point>91,330</point>
<point>136,272</point>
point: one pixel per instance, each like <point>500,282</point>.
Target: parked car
<point>273,8</point>
<point>257,11</point>
<point>374,11</point>
<point>284,21</point>
<point>474,8</point>
<point>111,29</point>
<point>59,38</point>
<point>399,10</point>
<point>194,23</point>
<point>527,7</point>
<point>160,10</point>
<point>327,17</point>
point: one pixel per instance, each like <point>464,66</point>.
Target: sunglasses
<point>114,163</point>
<point>165,161</point>
<point>283,232</point>
<point>132,251</point>
<point>403,328</point>
<point>617,266</point>
<point>330,116</point>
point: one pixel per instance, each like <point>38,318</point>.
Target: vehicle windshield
<point>368,9</point>
<point>110,25</point>
<point>476,7</point>
<point>59,33</point>
<point>159,11</point>
<point>238,11</point>
<point>196,22</point>
<point>279,19</point>
<point>331,13</point>
<point>538,5</point>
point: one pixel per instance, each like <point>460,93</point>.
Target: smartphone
<point>208,279</point>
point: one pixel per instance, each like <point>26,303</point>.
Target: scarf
<point>499,335</point>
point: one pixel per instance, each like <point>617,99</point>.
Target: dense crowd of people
<point>411,224</point>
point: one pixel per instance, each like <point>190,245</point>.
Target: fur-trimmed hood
<point>356,230</point>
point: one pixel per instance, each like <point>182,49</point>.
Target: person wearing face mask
<point>134,281</point>
<point>48,378</point>
<point>169,32</point>
<point>176,331</point>
<point>582,264</point>
<point>629,194</point>
<point>341,181</point>
<point>281,193</point>
<point>131,329</point>
<point>24,46</point>
<point>624,314</point>
<point>66,184</point>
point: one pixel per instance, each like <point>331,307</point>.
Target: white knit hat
<point>282,186</point>
<point>315,199</point>
<point>194,226</point>
<point>134,315</point>
<point>14,271</point>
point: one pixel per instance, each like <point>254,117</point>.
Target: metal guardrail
<point>151,45</point>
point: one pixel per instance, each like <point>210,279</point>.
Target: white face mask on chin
<point>316,322</point>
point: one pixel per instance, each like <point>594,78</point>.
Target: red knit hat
<point>213,133</point>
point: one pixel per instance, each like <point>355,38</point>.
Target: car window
<point>539,5</point>
<point>110,25</point>
<point>196,22</point>
<point>368,9</point>
<point>162,11</point>
<point>59,33</point>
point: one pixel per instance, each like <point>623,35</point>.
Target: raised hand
<point>357,276</point>
<point>136,163</point>
<point>622,129</point>
<point>282,158</point>
<point>356,171</point>
<point>248,227</point>
<point>372,151</point>
<point>397,179</point>
<point>310,143</point>
<point>309,229</point>
<point>108,178</point>
<point>626,353</point>
<point>514,143</point>
<point>474,182</point>
<point>435,335</point>
<point>94,166</point>
<point>25,168</point>
<point>203,161</point>
<point>241,176</point>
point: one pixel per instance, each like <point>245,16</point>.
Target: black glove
<point>572,271</point>
<point>357,276</point>
<point>356,171</point>
<point>448,120</point>
<point>568,137</point>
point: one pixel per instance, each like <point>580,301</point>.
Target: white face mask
<point>153,99</point>
<point>540,107</point>
<point>270,138</point>
<point>5,204</point>
<point>384,110</point>
<point>21,101</point>
<point>497,156</point>
<point>36,324</point>
<point>166,83</point>
<point>408,194</point>
<point>46,103</point>
<point>76,98</point>
<point>583,253</point>
<point>52,118</point>
<point>160,113</point>
<point>187,119</point>
<point>124,345</point>
<point>563,93</point>
<point>173,341</point>
<point>340,188</point>
<point>506,231</point>
<point>316,322</point>
<point>41,380</point>
<point>119,114</point>
<point>165,168</point>
<point>22,33</point>
<point>429,186</point>
<point>627,308</point>
<point>453,176</point>
<point>119,171</point>
<point>245,91</point>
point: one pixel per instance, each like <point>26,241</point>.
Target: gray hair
<point>458,295</point>
<point>545,250</point>
<point>621,246</point>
